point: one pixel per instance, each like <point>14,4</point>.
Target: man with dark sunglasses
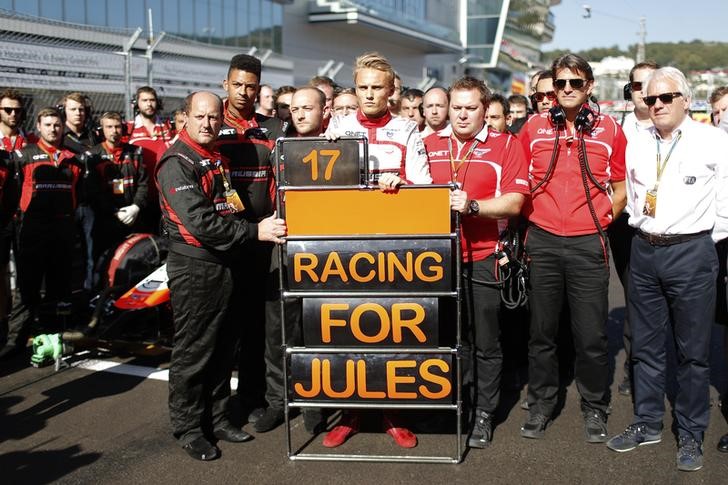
<point>12,137</point>
<point>679,206</point>
<point>620,233</point>
<point>544,96</point>
<point>576,160</point>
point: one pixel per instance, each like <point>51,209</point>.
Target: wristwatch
<point>473,208</point>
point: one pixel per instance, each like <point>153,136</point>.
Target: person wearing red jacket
<point>576,160</point>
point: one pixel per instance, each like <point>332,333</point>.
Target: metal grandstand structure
<point>45,59</point>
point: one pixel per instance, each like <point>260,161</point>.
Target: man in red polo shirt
<point>576,160</point>
<point>490,170</point>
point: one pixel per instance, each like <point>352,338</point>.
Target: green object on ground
<point>46,349</point>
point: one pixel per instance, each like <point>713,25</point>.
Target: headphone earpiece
<point>584,120</point>
<point>627,92</point>
<point>557,115</point>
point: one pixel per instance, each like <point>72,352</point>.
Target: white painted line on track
<point>98,365</point>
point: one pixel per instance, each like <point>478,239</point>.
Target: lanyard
<point>221,171</point>
<point>455,167</point>
<point>661,164</point>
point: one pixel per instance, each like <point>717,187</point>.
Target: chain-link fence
<point>46,59</point>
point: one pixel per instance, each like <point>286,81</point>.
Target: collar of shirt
<point>482,135</point>
<point>368,122</point>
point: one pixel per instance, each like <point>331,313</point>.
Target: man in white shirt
<point>620,232</point>
<point>679,207</point>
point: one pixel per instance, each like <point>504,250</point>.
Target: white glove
<point>127,215</point>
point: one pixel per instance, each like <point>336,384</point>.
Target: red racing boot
<point>401,435</point>
<point>348,426</point>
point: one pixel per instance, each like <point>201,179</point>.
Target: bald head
<point>308,110</point>
<point>203,112</point>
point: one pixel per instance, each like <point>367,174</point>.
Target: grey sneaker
<point>689,454</point>
<point>635,435</point>
<point>535,427</point>
<point>595,426</point>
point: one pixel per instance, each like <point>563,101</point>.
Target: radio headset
<point>584,122</point>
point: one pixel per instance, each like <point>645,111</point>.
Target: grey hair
<point>672,74</point>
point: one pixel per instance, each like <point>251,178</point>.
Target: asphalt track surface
<point>95,426</point>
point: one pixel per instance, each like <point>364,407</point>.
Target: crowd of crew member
<point>582,183</point>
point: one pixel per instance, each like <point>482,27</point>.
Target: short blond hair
<point>374,60</point>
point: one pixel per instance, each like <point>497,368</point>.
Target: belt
<point>195,252</point>
<point>669,239</point>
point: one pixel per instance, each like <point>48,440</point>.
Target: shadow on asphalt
<point>45,466</point>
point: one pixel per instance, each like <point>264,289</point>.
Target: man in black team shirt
<point>245,142</point>
<point>198,218</point>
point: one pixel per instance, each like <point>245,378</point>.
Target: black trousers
<point>274,355</point>
<point>576,268</point>
<point>620,241</point>
<point>204,345</point>
<point>249,275</point>
<point>672,284</point>
<point>483,365</point>
<point>45,252</point>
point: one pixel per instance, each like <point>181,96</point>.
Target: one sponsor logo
<point>40,156</point>
<point>181,188</point>
<point>205,162</point>
<point>521,182</point>
<point>479,152</point>
<point>248,174</point>
<point>227,131</point>
<point>52,186</point>
<point>438,153</point>
<point>389,133</point>
<point>597,131</point>
<point>689,179</point>
<point>545,131</point>
<point>354,133</point>
<point>222,207</point>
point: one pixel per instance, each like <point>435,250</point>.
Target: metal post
<point>643,38</point>
<point>126,52</point>
<point>152,44</point>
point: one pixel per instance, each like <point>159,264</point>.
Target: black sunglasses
<point>574,83</point>
<point>9,110</point>
<point>282,106</point>
<point>538,96</point>
<point>636,85</point>
<point>665,98</point>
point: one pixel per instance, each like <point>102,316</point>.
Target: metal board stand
<point>454,292</point>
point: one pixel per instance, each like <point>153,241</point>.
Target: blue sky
<point>617,22</point>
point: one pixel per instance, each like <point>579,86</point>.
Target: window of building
<point>170,16</point>
<point>28,7</point>
<point>115,13</point>
<point>96,13</point>
<point>50,9</point>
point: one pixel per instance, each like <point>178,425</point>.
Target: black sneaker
<point>535,427</point>
<point>482,432</point>
<point>201,449</point>
<point>689,454</point>
<point>271,419</point>
<point>635,435</point>
<point>595,426</point>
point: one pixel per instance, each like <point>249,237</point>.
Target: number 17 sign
<point>316,161</point>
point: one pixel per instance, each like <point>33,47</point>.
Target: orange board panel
<point>349,212</point>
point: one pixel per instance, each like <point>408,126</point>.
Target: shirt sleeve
<point>617,163</point>
<point>142,182</point>
<point>515,168</point>
<point>417,170</point>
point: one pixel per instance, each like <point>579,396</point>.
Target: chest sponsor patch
<point>689,179</point>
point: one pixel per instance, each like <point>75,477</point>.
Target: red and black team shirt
<point>194,209</point>
<point>246,147</point>
<point>118,177</point>
<point>153,146</point>
<point>559,206</point>
<point>490,165</point>
<point>49,181</point>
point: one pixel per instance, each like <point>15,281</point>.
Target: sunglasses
<point>665,98</point>
<point>538,96</point>
<point>282,106</point>
<point>12,110</point>
<point>574,83</point>
<point>636,85</point>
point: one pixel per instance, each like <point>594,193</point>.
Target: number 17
<point>313,158</point>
